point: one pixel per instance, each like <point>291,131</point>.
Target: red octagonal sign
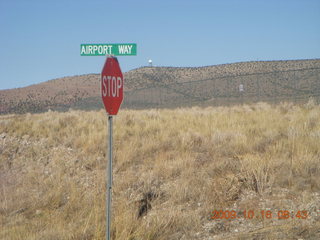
<point>112,85</point>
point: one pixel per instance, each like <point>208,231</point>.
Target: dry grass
<point>178,164</point>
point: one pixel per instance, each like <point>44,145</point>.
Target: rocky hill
<point>150,87</point>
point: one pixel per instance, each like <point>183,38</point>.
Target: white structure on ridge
<point>241,89</point>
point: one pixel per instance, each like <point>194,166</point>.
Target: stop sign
<point>112,85</point>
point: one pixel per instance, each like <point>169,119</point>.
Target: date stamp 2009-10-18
<point>258,214</point>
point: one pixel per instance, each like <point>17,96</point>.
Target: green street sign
<point>125,49</point>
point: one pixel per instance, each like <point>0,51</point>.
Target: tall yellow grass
<point>190,161</point>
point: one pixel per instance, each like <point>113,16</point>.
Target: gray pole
<point>109,181</point>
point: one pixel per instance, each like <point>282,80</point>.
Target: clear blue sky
<point>40,40</point>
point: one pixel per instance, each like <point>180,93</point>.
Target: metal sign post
<point>111,87</point>
<point>109,181</point>
<point>112,97</point>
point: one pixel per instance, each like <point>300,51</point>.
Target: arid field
<point>257,165</point>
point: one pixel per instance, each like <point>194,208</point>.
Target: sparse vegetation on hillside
<point>172,168</point>
<point>171,87</point>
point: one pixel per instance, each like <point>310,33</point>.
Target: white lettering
<point>100,49</point>
<point>95,48</point>
<point>121,49</point>
<point>125,49</point>
<point>104,89</point>
<point>129,49</point>
<point>105,50</point>
<point>114,87</point>
<point>83,50</point>
<point>109,82</point>
<point>119,85</point>
<point>89,49</point>
<point>111,86</point>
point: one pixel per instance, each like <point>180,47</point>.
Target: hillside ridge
<point>172,84</point>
